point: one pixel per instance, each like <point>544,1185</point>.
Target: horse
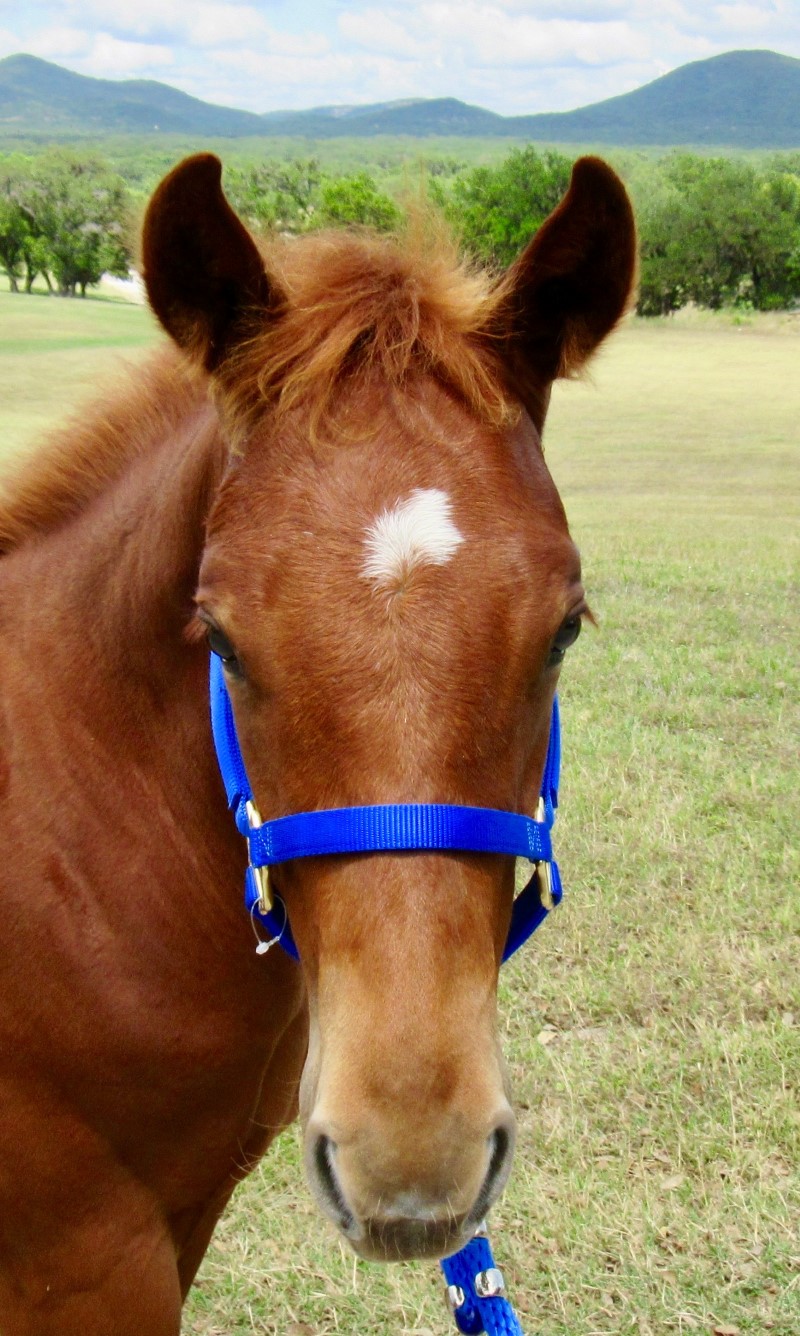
<point>331,474</point>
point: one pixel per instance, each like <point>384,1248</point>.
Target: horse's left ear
<point>202,269</point>
<point>574,280</point>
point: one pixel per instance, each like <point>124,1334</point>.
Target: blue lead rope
<point>474,1283</point>
<point>475,1291</point>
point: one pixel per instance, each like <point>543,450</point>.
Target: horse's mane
<point>350,303</point>
<point>94,447</point>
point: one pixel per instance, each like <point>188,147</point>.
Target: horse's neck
<point>116,581</point>
<point>113,805</point>
<point>109,690</point>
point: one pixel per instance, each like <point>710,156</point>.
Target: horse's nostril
<point>502,1143</point>
<point>324,1157</point>
<point>500,1149</point>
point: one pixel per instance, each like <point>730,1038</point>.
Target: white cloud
<point>745,18</point>
<point>377,30</point>
<point>486,35</point>
<point>9,43</point>
<point>304,81</point>
<point>99,54</point>
<point>224,25</point>
<point>109,57</point>
<point>60,43</point>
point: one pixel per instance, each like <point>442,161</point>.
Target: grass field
<point>653,1029</point>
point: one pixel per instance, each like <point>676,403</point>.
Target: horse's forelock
<point>358,304</point>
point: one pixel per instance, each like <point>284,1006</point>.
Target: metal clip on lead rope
<point>476,1291</point>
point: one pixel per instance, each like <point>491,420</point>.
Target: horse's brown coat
<point>147,1055</point>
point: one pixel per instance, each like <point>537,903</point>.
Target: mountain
<point>417,118</point>
<point>743,99</point>
<point>37,97</point>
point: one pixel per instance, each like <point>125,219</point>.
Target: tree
<point>15,221</point>
<point>13,229</point>
<point>496,210</point>
<point>79,213</point>
<point>278,195</point>
<point>62,215</point>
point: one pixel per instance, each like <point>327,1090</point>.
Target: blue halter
<point>474,1285</point>
<point>384,829</point>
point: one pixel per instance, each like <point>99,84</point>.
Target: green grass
<point>54,351</point>
<point>652,1028</point>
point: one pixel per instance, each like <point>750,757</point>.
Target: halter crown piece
<point>474,1285</point>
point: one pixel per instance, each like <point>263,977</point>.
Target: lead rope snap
<point>476,1291</point>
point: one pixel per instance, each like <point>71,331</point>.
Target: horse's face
<point>393,604</point>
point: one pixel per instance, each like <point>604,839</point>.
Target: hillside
<point>37,97</point>
<point>743,99</point>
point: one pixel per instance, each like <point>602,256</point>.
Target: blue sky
<point>512,56</point>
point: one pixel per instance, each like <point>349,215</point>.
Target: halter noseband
<point>386,828</point>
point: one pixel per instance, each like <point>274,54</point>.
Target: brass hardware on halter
<point>544,880</point>
<point>543,872</point>
<point>540,871</point>
<point>260,874</point>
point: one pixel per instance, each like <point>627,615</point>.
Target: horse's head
<point>389,577</point>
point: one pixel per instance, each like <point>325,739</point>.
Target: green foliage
<point>83,216</point>
<point>718,232</point>
<point>294,196</point>
<point>356,201</point>
<point>275,194</point>
<point>13,230</point>
<point>496,210</point>
<point>65,216</point>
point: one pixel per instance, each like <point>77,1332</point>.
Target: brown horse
<point>337,478</point>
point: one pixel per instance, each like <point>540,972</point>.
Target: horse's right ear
<point>202,269</point>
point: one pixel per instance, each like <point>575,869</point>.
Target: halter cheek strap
<point>385,828</point>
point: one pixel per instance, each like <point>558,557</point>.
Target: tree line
<point>713,231</point>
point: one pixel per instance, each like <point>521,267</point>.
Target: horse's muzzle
<point>388,1222</point>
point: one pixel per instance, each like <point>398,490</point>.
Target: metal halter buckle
<point>260,874</point>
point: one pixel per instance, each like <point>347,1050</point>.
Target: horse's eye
<point>219,644</point>
<point>567,634</point>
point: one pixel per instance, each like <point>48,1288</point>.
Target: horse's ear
<point>202,269</point>
<point>573,281</point>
